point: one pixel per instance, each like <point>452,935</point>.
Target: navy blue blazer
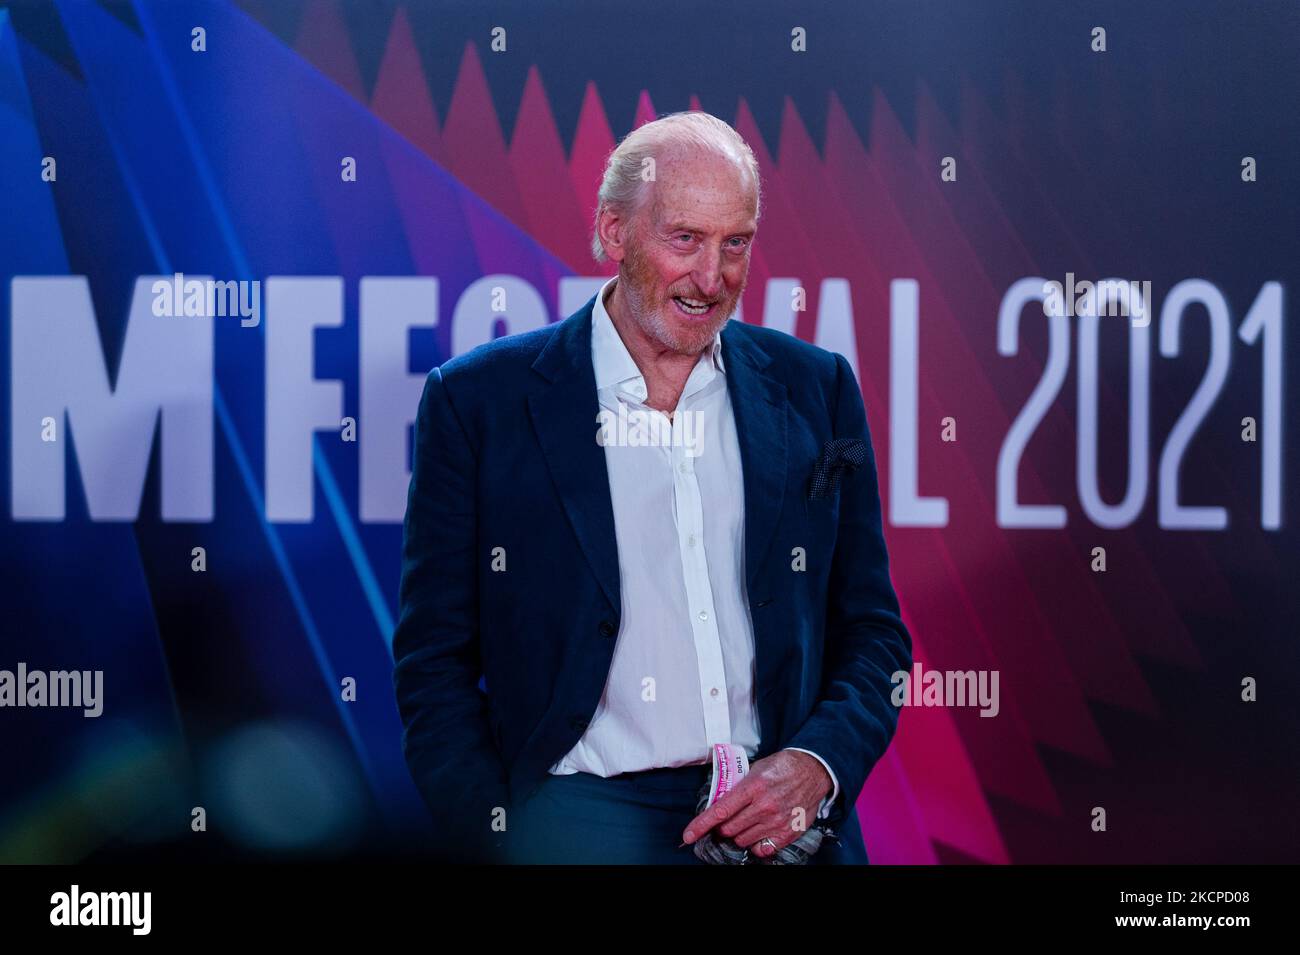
<point>506,457</point>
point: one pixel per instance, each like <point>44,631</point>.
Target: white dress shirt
<point>682,675</point>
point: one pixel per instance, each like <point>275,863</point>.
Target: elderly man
<point>592,599</point>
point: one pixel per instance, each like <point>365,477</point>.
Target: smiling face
<point>683,254</point>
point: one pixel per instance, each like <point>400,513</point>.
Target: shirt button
<point>690,540</point>
<point>704,615</point>
<point>713,692</point>
<point>684,467</point>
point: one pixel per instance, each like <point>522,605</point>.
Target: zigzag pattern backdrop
<point>1118,689</point>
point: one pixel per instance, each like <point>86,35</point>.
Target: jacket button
<point>607,629</point>
<point>579,723</point>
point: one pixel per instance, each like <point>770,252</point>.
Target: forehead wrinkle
<point>714,173</point>
<point>668,209</point>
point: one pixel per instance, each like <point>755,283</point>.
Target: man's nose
<point>708,271</point>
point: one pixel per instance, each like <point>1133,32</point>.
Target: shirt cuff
<point>835,783</point>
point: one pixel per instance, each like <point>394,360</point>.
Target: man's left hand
<point>765,805</point>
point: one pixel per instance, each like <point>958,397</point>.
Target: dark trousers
<point>632,819</point>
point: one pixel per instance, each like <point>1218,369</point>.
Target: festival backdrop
<point>1092,508</point>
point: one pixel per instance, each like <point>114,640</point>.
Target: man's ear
<point>611,229</point>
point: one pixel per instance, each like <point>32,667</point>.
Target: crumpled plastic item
<point>715,849</point>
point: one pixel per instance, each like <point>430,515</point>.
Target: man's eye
<point>739,244</point>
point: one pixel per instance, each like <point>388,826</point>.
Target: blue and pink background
<point>1120,690</point>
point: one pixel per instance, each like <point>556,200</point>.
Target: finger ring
<point>767,842</point>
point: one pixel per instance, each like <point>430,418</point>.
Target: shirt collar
<point>611,360</point>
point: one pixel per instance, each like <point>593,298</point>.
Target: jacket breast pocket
<point>822,520</point>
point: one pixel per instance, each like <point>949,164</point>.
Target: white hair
<point>622,187</point>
